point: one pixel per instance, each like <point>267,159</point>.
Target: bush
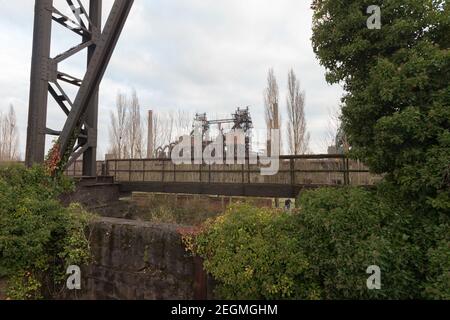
<point>437,284</point>
<point>324,250</point>
<point>39,237</point>
<point>254,255</point>
<point>166,209</point>
<point>344,231</point>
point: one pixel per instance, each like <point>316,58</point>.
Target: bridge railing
<point>293,170</point>
<point>76,169</point>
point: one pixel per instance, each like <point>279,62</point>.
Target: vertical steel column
<point>40,69</point>
<point>90,155</point>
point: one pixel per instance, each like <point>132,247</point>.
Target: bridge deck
<point>295,173</point>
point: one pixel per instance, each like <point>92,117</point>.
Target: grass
<point>185,210</point>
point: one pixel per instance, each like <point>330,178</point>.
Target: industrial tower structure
<point>79,134</point>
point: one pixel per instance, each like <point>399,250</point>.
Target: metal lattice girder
<point>90,154</point>
<point>95,72</point>
<point>37,115</point>
<point>82,113</point>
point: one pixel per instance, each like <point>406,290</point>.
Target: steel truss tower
<point>79,134</point>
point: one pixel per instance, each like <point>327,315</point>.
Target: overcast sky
<point>198,55</point>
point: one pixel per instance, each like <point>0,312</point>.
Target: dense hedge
<point>343,231</point>
<point>322,251</point>
<point>39,238</point>
<point>254,253</point>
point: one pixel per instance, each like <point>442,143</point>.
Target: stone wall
<point>210,203</point>
<point>139,260</point>
<point>93,193</point>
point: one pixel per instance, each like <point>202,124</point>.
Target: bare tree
<point>184,122</point>
<point>298,136</point>
<point>9,136</point>
<point>156,135</point>
<point>127,137</point>
<point>335,140</point>
<point>271,101</point>
<point>117,130</point>
<point>168,126</point>
<point>134,134</point>
<point>162,132</point>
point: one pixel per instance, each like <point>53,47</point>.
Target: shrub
<point>343,231</point>
<point>437,284</point>
<point>254,255</point>
<point>39,237</point>
<point>324,250</point>
<point>166,209</point>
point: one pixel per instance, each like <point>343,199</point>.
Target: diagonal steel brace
<point>96,69</point>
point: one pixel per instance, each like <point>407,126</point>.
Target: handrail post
<point>103,169</point>
<point>209,175</point>
<point>129,174</point>
<point>107,168</point>
<point>163,170</point>
<point>174,172</point>
<point>346,170</point>
<point>347,162</point>
<point>143,170</point>
<point>248,171</point>
<point>292,165</point>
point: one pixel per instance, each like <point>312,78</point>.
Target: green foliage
<point>254,254</point>
<point>166,209</point>
<point>324,250</point>
<point>343,231</point>
<point>39,238</point>
<point>396,113</point>
<point>437,284</point>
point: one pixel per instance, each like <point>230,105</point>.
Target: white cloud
<point>199,55</point>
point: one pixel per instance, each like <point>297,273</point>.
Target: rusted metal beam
<point>97,67</point>
<point>82,121</point>
<point>263,190</point>
<point>37,114</point>
<point>90,154</point>
<point>223,189</point>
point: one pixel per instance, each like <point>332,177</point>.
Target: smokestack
<point>150,146</point>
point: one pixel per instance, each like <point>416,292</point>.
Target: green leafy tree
<point>343,231</point>
<point>396,111</point>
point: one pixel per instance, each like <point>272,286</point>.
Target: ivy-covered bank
<point>39,238</point>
